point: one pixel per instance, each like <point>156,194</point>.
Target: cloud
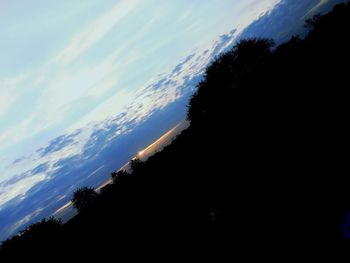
<point>314,10</point>
<point>61,90</point>
<point>8,95</point>
<point>88,37</point>
<point>20,188</point>
<point>253,11</point>
<point>18,132</point>
<point>10,230</point>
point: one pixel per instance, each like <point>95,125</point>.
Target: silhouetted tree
<point>231,70</point>
<point>135,164</point>
<point>116,176</point>
<point>83,198</point>
<point>44,227</point>
<point>312,22</point>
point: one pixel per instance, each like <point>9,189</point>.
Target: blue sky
<point>61,60</point>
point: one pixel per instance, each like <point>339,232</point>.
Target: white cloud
<point>253,11</point>
<point>96,31</point>
<point>11,191</point>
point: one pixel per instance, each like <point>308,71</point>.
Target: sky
<point>61,60</point>
<point>85,85</point>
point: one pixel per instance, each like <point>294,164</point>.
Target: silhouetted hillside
<point>260,173</point>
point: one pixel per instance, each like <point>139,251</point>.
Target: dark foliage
<point>119,176</point>
<point>136,165</point>
<point>227,73</point>
<point>43,235</point>
<point>312,22</point>
<point>261,171</point>
<point>83,198</point>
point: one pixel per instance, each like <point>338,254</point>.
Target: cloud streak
<point>7,98</point>
<point>93,33</point>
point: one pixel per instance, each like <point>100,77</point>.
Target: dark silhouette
<point>43,235</point>
<point>135,164</point>
<point>83,198</point>
<point>312,22</point>
<point>120,175</point>
<point>259,173</point>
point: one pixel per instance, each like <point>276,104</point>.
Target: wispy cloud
<point>314,9</point>
<point>88,37</point>
<point>7,96</point>
<point>61,90</point>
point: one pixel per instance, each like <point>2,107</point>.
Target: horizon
<point>66,212</point>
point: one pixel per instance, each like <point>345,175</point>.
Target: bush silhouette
<point>44,235</point>
<point>117,176</point>
<point>135,165</point>
<point>83,198</point>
